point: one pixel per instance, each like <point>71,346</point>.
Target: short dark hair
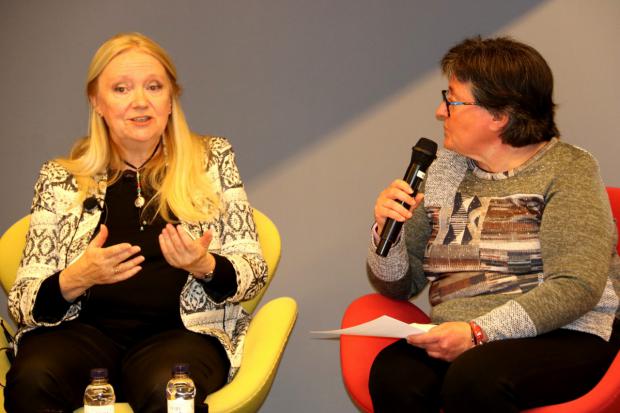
<point>508,77</point>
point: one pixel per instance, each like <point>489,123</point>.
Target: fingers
<point>178,237</point>
<point>117,252</point>
<point>396,202</point>
<point>127,269</point>
<point>446,341</point>
<point>433,345</point>
<point>180,249</point>
<point>167,249</point>
<point>171,244</point>
<point>101,237</point>
<point>422,340</point>
<point>205,240</point>
<point>106,265</point>
<point>120,252</point>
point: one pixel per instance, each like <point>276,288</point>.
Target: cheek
<point>112,109</point>
<point>163,107</point>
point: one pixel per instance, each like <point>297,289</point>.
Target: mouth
<point>141,119</point>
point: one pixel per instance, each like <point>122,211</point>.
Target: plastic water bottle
<point>180,390</point>
<point>99,394</point>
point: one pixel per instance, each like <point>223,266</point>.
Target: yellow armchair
<point>264,344</point>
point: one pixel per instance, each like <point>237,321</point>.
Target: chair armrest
<point>264,344</point>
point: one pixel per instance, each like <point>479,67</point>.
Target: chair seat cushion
<point>357,352</point>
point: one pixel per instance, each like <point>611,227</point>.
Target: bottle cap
<point>100,373</point>
<point>180,368</point>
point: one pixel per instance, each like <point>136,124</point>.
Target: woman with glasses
<point>514,233</point>
<point>140,249</point>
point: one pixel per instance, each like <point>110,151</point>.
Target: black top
<point>148,302</point>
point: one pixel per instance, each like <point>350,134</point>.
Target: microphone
<point>422,155</point>
<point>90,203</point>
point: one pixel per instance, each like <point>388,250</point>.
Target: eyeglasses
<point>444,94</point>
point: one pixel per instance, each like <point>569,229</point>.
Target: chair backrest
<point>614,200</point>
<point>271,245</point>
<point>11,247</point>
<point>14,239</point>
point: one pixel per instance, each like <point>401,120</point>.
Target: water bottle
<point>99,394</point>
<point>180,390</point>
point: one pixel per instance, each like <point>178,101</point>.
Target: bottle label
<point>99,409</point>
<point>181,406</point>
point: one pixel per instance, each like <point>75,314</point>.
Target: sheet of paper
<point>384,326</point>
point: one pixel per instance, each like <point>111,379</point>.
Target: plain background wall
<point>322,101</point>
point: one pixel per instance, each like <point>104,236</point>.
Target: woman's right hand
<point>388,205</point>
<point>100,265</point>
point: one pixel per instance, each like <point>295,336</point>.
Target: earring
<point>165,149</point>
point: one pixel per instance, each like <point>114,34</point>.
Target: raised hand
<point>387,205</point>
<point>181,251</point>
<point>99,265</point>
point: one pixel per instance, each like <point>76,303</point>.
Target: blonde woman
<point>141,246</point>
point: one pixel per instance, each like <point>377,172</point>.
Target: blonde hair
<point>176,174</point>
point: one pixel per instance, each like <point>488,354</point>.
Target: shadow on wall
<point>302,69</point>
<point>275,76</point>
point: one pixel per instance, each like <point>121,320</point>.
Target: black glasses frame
<point>444,95</point>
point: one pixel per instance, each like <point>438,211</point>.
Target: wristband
<point>477,335</point>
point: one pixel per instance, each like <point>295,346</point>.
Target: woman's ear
<point>499,122</point>
<point>93,103</point>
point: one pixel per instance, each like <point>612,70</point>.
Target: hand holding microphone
<point>395,202</point>
<point>397,195</point>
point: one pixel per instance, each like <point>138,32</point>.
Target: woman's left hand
<point>181,251</point>
<point>447,341</point>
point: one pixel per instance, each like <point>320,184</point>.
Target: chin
<point>145,138</point>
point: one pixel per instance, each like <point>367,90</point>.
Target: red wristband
<point>477,335</point>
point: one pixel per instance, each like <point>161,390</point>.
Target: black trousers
<point>52,368</point>
<point>501,376</point>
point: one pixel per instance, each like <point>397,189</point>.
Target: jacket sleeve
<point>44,252</point>
<point>236,227</point>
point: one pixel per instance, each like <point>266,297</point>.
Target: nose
<point>139,98</point>
<point>441,113</point>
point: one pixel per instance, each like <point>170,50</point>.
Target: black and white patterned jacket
<point>60,230</point>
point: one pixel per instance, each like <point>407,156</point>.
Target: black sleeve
<point>223,283</point>
<point>50,306</point>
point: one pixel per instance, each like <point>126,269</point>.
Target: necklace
<point>139,202</point>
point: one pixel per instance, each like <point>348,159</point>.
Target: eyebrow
<point>147,79</point>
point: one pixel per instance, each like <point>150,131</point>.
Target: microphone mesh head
<point>426,145</point>
<point>424,152</point>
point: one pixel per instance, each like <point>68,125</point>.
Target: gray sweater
<point>521,252</point>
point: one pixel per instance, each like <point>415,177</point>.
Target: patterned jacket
<point>60,230</point>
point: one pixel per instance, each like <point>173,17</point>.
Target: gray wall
<point>322,100</point>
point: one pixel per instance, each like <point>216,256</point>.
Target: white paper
<point>384,326</point>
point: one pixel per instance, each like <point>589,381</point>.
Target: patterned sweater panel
<point>60,229</point>
<point>523,252</point>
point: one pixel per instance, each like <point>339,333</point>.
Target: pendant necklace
<point>139,201</point>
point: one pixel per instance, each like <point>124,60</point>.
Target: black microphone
<point>422,155</point>
<point>90,203</point>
